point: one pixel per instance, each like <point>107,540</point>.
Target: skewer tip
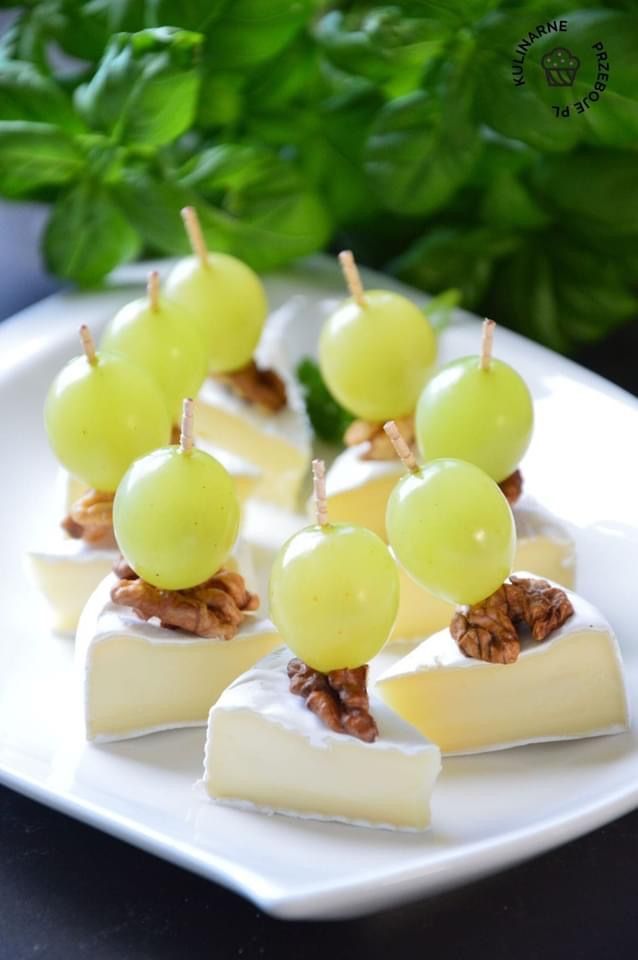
<point>186,435</point>
<point>401,448</point>
<point>88,344</point>
<point>352,277</point>
<point>319,491</point>
<point>487,340</point>
<point>195,235</point>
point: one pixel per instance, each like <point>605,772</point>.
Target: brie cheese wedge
<point>358,492</point>
<point>266,751</point>
<point>568,686</point>
<point>66,572</point>
<point>279,444</point>
<point>138,677</point>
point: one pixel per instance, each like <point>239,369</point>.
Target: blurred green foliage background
<point>297,125</point>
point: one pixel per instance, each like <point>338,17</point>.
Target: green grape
<point>228,301</point>
<point>376,358</point>
<point>334,595</point>
<point>101,416</point>
<point>176,517</point>
<point>482,416</point>
<point>164,341</point>
<point>452,529</point>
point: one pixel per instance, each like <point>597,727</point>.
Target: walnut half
<point>338,698</point>
<point>91,519</point>
<point>215,608</point>
<point>487,631</point>
<point>254,385</point>
<point>512,486</point>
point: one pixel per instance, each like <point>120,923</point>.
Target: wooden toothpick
<point>352,277</point>
<point>402,450</point>
<point>186,435</point>
<point>153,289</point>
<point>487,340</point>
<point>195,235</point>
<point>319,491</point>
<point>88,344</point>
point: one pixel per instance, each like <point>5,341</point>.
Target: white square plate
<point>489,811</point>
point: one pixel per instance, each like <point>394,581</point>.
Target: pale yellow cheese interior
<point>284,464</point>
<point>547,557</point>
<point>133,685</point>
<point>421,613</point>
<point>67,583</point>
<point>573,689</point>
<point>261,762</point>
<point>365,505</point>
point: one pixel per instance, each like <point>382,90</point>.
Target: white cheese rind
<point>138,677</point>
<point>440,656</point>
<point>264,740</point>
<point>66,572</point>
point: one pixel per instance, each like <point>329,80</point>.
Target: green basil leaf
<point>613,119</point>
<point>226,166</point>
<point>329,420</point>
<point>333,154</point>
<point>455,257</point>
<point>388,45</point>
<point>85,29</point>
<point>26,94</point>
<point>252,31</point>
<point>270,220</point>
<point>221,100</point>
<point>558,290</point>
<point>419,153</point>
<point>35,155</point>
<point>145,88</point>
<point>197,15</point>
<point>595,188</point>
<point>457,13</point>
<point>508,203</point>
<point>293,77</point>
<point>87,235</point>
<point>439,309</point>
<point>521,112</point>
<point>153,206</point>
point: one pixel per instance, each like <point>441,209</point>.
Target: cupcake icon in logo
<point>560,67</point>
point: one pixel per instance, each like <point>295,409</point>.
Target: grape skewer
<point>376,350</point>
<point>334,590</point>
<point>450,527</point>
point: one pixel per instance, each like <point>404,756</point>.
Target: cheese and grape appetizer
<point>522,660</point>
<point>161,638</point>
<point>476,409</point>
<point>163,337</point>
<point>101,412</point>
<point>249,404</point>
<point>299,736</point>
